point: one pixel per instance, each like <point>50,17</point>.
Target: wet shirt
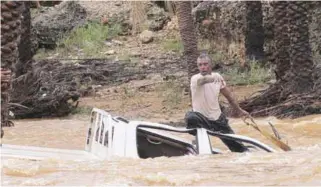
<point>205,97</point>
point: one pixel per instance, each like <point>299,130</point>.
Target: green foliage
<point>86,41</point>
<point>83,110</point>
<point>174,45</point>
<point>218,57</point>
<point>255,74</point>
<point>89,39</point>
<point>114,31</point>
<point>204,45</point>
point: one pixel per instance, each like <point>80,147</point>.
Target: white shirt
<point>205,97</point>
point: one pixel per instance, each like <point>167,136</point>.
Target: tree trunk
<point>300,50</point>
<point>297,92</point>
<point>138,15</point>
<point>24,47</point>
<point>254,33</point>
<point>315,29</point>
<point>10,31</point>
<point>282,38</point>
<point>188,35</point>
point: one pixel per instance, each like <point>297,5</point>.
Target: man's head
<point>204,64</point>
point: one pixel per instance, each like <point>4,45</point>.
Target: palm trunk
<point>24,46</point>
<point>138,15</point>
<point>300,53</point>
<point>188,35</point>
<point>282,38</point>
<point>315,29</point>
<point>10,30</point>
<point>298,91</point>
<point>254,33</point>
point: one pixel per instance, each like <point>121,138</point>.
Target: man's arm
<point>205,79</point>
<point>228,95</point>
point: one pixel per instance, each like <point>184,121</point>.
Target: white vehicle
<point>109,137</point>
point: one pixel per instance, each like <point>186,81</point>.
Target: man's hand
<point>205,79</point>
<point>242,113</point>
<point>5,75</point>
<point>237,110</point>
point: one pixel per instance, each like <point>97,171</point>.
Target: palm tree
<point>10,30</point>
<point>24,46</point>
<point>281,37</point>
<point>293,56</point>
<point>254,33</point>
<point>294,93</point>
<point>300,49</point>
<point>315,28</point>
<point>188,35</point>
<point>138,16</point>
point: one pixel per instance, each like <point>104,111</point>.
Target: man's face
<point>204,66</point>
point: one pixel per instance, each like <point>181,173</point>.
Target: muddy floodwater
<point>301,166</point>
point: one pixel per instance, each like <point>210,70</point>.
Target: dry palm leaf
<point>275,140</point>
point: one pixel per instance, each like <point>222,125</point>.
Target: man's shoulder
<point>216,74</point>
<point>196,76</point>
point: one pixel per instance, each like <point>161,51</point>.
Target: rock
<point>122,19</point>
<point>222,18</point>
<point>172,24</point>
<point>163,63</point>
<point>117,42</point>
<point>119,3</point>
<point>146,36</point>
<point>156,17</point>
<point>135,54</point>
<point>110,52</point>
<point>49,3</point>
<point>272,81</point>
<point>152,66</point>
<point>154,77</point>
<point>108,43</point>
<point>145,64</point>
<point>54,23</point>
<point>104,20</point>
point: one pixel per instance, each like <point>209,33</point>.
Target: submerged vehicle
<point>113,136</point>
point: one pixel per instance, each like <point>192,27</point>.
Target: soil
<point>158,95</point>
<point>153,103</point>
<point>60,82</point>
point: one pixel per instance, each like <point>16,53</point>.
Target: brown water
<point>301,166</point>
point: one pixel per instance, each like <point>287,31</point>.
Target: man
<point>205,89</point>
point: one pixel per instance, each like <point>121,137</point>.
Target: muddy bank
<point>52,88</point>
